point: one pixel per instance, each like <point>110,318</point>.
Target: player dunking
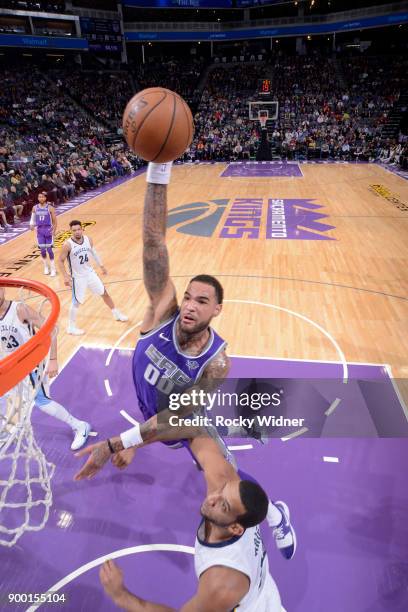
<point>43,218</point>
<point>17,324</point>
<point>78,251</point>
<point>177,349</point>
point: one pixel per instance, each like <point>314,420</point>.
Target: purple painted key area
<point>350,516</point>
<point>262,169</point>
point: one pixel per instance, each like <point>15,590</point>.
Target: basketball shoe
<point>81,435</point>
<point>119,316</point>
<point>284,534</point>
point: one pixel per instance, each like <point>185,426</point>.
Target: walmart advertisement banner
<point>43,42</point>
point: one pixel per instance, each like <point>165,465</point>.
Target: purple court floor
<point>262,169</point>
<point>348,500</point>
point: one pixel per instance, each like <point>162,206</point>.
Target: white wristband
<point>159,173</point>
<point>131,437</point>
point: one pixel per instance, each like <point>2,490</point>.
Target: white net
<point>25,474</point>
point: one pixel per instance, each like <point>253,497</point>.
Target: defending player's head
<point>42,197</point>
<point>76,229</point>
<point>238,505</point>
<point>201,302</point>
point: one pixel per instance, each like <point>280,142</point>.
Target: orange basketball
<point>158,125</point>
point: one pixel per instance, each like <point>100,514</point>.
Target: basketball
<point>158,125</point>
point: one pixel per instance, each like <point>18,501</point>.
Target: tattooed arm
<point>159,427</point>
<point>156,270</point>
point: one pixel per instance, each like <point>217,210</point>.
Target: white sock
<point>274,516</point>
<point>55,409</point>
<point>72,315</point>
<point>115,312</point>
<point>52,264</point>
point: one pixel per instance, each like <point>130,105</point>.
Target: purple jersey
<point>161,368</point>
<point>43,219</point>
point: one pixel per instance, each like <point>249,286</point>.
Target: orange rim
<point>16,366</point>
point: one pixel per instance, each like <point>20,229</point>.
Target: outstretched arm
<point>156,429</point>
<point>156,269</point>
<point>219,588</point>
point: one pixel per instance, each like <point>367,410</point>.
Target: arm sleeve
<point>32,220</point>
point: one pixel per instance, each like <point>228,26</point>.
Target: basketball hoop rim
<point>25,359</point>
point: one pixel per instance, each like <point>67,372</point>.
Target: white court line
<point>106,347</point>
<point>397,391</point>
<point>391,172</point>
<point>116,554</point>
<point>364,363</point>
<point>332,406</point>
<point>107,387</point>
<point>331,459</point>
<point>304,318</point>
<point>127,416</point>
<point>242,447</point>
<point>295,434</point>
<point>122,337</point>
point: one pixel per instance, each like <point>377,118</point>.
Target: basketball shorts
<point>80,284</point>
<point>45,238</point>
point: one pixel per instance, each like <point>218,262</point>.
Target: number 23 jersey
<point>13,332</point>
<point>79,257</point>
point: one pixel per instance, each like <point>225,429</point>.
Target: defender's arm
<point>155,429</point>
<point>220,589</point>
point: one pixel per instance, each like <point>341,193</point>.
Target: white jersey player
<point>79,252</point>
<point>230,559</point>
<point>17,324</point>
<point>245,554</point>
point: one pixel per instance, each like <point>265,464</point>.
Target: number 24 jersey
<point>79,257</point>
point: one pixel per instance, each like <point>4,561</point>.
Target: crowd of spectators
<point>223,129</point>
<point>335,109</point>
<point>48,144</point>
<point>327,109</point>
<point>180,76</point>
<point>103,94</point>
